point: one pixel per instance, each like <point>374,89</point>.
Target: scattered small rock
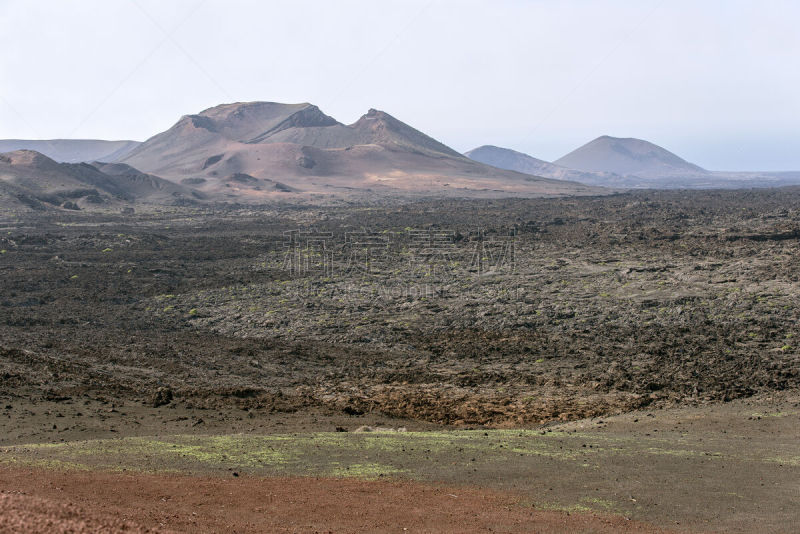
<point>161,397</point>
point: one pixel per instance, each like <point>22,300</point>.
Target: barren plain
<point>592,359</point>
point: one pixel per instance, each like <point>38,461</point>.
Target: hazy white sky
<point>716,81</point>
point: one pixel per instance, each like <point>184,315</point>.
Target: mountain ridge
<point>302,148</point>
<point>30,180</point>
<point>72,150</point>
<point>670,173</point>
<point>506,158</point>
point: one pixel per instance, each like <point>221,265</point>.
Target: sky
<point>715,81</point>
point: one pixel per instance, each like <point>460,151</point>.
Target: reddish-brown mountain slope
<point>301,149</point>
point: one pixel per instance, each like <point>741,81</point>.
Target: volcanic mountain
<point>72,150</point>
<point>628,156</point>
<point>654,167</point>
<point>256,149</point>
<point>30,180</point>
<point>505,158</point>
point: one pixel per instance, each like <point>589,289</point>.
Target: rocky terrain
<point>469,312</point>
<point>631,354</point>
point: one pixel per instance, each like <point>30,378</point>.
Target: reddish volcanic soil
<point>59,502</point>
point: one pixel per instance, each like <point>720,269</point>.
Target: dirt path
<point>43,501</point>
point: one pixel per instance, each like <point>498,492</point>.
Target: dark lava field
<point>491,313</point>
